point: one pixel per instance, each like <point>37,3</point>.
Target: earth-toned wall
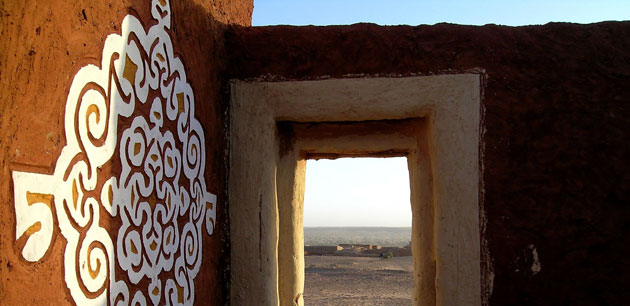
<point>43,47</point>
<point>556,176</point>
<point>556,105</point>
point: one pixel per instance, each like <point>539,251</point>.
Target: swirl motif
<point>136,111</point>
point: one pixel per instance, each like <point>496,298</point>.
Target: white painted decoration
<point>136,110</point>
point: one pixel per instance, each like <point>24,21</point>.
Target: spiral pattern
<point>135,110</point>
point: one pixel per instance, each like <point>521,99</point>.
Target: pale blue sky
<point>375,192</point>
<point>414,12</point>
<point>357,192</point>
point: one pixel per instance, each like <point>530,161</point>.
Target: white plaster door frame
<point>446,178</point>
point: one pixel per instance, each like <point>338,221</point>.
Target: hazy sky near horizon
<point>375,192</point>
<point>357,192</point>
<point>414,12</point>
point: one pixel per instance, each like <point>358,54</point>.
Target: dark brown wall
<point>556,137</point>
<point>42,45</point>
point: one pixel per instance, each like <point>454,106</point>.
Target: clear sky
<point>375,192</point>
<point>414,12</point>
<point>357,192</point>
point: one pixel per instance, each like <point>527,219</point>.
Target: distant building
<point>321,249</point>
<point>360,246</point>
<point>348,249</point>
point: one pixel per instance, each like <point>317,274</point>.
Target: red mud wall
<point>556,165</point>
<point>42,46</point>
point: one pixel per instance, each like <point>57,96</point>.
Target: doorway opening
<point>357,232</point>
<point>276,126</point>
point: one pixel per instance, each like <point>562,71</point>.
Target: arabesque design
<point>128,191</point>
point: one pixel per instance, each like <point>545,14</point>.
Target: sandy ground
<point>337,280</point>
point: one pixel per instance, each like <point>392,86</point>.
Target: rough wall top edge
<point>281,78</point>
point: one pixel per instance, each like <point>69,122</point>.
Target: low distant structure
<point>363,250</point>
<point>321,249</point>
<point>360,246</point>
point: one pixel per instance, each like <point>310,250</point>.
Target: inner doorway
<point>357,232</point>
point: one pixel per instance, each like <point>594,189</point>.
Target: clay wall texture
<point>42,46</point>
<point>556,127</point>
<point>556,107</point>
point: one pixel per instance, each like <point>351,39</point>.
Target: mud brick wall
<point>556,125</point>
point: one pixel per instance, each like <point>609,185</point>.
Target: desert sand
<point>340,280</point>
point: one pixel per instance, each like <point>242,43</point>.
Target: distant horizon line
<point>372,226</point>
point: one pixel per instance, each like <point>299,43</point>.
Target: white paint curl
<point>159,197</point>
